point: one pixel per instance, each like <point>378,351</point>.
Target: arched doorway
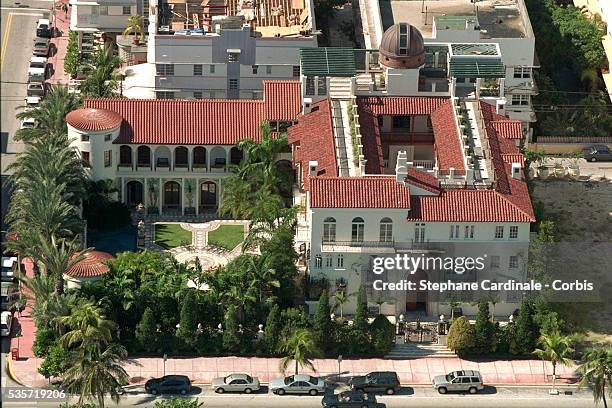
<point>172,195</point>
<point>208,195</point>
<point>417,300</point>
<point>134,193</point>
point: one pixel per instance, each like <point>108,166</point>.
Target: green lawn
<point>226,236</point>
<point>171,235</point>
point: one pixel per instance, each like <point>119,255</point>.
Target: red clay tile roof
<point>93,119</point>
<point>370,139</point>
<point>358,192</point>
<point>91,266</point>
<point>446,136</point>
<point>465,205</point>
<point>504,126</point>
<point>514,158</point>
<point>193,122</point>
<point>423,180</point>
<point>314,137</point>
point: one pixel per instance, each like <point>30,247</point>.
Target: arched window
<point>199,157</point>
<point>125,156</point>
<point>358,226</point>
<point>144,156</point>
<point>181,157</point>
<point>329,229</point>
<point>386,230</point>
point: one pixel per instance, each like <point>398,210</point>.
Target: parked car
<point>378,381</point>
<point>598,153</point>
<point>41,47</point>
<point>43,28</point>
<point>8,296</point>
<point>351,399</point>
<point>28,123</point>
<point>169,384</point>
<point>235,383</point>
<point>35,89</point>
<point>38,62</point>
<point>9,264</point>
<point>6,322</point>
<point>466,380</point>
<point>32,102</point>
<point>297,384</point>
<point>38,69</point>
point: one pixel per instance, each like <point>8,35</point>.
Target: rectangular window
<point>296,71</point>
<point>233,83</point>
<point>454,231</point>
<point>513,262</point>
<point>103,10</point>
<point>499,232</point>
<point>85,158</point>
<point>318,261</point>
<point>108,158</point>
<point>212,69</point>
<point>164,69</point>
<point>522,72</point>
<point>255,69</point>
<point>127,10</point>
<point>84,138</point>
<point>419,232</point>
<point>164,95</point>
<point>197,94</point>
<point>233,57</point>
<point>469,232</point>
<point>329,261</point>
<point>310,85</point>
<point>386,232</point>
<point>494,261</point>
<point>329,232</point>
<point>321,86</point>
<point>107,137</point>
<point>401,122</point>
<point>197,69</point>
<point>357,232</point>
<point>268,69</point>
<point>522,100</point>
<point>340,261</point>
<point>513,232</point>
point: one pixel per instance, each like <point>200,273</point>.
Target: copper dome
<point>402,47</point>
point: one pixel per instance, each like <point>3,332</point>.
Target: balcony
<point>406,136</point>
<point>357,246</point>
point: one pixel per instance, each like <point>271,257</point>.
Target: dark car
<point>378,381</point>
<point>350,399</point>
<point>598,153</point>
<point>169,384</point>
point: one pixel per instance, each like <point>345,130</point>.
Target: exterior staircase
<point>418,350</point>
<point>340,88</point>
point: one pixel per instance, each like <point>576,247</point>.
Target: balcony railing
<point>406,136</point>
<point>362,244</point>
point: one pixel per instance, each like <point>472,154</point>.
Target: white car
<point>28,123</point>
<point>32,102</point>
<point>6,321</point>
<point>43,28</point>
<point>8,266</point>
<point>35,89</point>
<point>297,384</point>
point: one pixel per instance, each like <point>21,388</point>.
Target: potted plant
<point>134,25</point>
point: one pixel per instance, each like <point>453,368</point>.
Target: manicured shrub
<point>460,336</point>
<point>45,338</point>
<point>272,330</point>
<point>322,324</point>
<point>147,331</point>
<point>383,335</point>
<point>231,338</point>
<point>527,332</point>
<point>484,330</point>
<point>56,362</point>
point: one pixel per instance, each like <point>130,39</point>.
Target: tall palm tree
<point>50,115</point>
<point>556,349</point>
<point>596,369</point>
<point>58,257</point>
<point>340,298</point>
<point>300,348</point>
<point>101,81</point>
<point>88,325</point>
<point>95,372</point>
<point>134,25</point>
<point>39,291</point>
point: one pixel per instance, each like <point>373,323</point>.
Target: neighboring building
<point>106,16</point>
<point>502,22</point>
<point>221,49</point>
<point>172,155</point>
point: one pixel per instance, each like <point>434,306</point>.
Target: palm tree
<point>134,25</point>
<point>101,81</point>
<point>50,115</point>
<point>340,298</point>
<point>556,349</point>
<point>95,372</point>
<point>597,369</point>
<point>39,291</point>
<point>301,348</point>
<point>88,325</point>
<point>59,257</point>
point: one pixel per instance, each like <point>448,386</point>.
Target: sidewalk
<point>411,372</point>
<point>62,24</point>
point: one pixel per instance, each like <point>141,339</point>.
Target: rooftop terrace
<point>272,18</point>
<point>495,18</point>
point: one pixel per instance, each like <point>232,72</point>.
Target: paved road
<point>422,397</point>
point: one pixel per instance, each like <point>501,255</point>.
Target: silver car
<point>465,380</point>
<point>297,384</point>
<point>235,383</point>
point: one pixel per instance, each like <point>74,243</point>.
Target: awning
<point>331,62</point>
<point>477,68</point>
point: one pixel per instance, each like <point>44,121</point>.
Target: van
<point>38,62</point>
<point>43,28</point>
<point>6,321</point>
<point>36,75</point>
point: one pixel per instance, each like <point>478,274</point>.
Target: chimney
<point>307,105</point>
<point>401,166</point>
<point>312,168</point>
<point>500,106</point>
<point>516,171</point>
